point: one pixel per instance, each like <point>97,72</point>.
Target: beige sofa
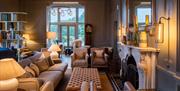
<point>47,80</point>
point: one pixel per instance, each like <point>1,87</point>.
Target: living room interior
<point>89,45</point>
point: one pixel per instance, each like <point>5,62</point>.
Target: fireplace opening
<point>130,72</point>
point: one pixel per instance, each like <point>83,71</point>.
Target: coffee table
<point>83,74</point>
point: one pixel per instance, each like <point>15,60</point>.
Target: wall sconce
<point>161,30</point>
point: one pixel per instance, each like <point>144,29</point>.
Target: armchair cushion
<point>79,63</point>
<point>99,53</point>
<point>99,61</point>
<point>80,55</point>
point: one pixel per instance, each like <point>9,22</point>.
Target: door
<point>67,35</point>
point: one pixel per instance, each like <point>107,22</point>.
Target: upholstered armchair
<point>79,58</point>
<point>77,44</point>
<point>99,59</point>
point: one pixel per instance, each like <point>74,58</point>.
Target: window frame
<point>59,23</point>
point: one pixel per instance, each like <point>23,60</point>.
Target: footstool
<point>83,74</point>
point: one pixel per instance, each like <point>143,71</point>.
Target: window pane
<point>67,14</point>
<point>71,34</point>
<point>54,28</point>
<point>141,14</point>
<point>81,15</point>
<point>64,35</point>
<point>81,33</point>
<point>54,15</point>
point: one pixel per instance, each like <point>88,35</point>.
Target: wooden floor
<point>66,59</point>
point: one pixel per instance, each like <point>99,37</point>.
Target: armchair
<point>99,59</point>
<point>79,58</point>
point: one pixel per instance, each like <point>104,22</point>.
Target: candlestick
<point>147,20</point>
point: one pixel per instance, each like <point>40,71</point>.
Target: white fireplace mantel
<point>146,59</point>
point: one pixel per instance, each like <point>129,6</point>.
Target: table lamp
<point>26,37</point>
<point>9,70</point>
<point>51,35</point>
<point>54,48</point>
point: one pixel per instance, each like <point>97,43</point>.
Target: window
<point>68,22</point>
<point>141,14</point>
<point>67,14</point>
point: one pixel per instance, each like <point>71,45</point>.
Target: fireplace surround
<point>145,62</point>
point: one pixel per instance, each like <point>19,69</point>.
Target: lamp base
<point>9,85</point>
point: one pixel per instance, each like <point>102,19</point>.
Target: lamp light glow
<point>51,35</point>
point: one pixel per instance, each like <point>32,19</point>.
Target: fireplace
<point>140,64</point>
<point>132,72</point>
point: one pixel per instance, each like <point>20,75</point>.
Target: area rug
<point>106,85</point>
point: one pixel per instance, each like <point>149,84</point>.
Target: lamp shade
<point>9,69</point>
<point>26,36</point>
<point>51,35</point>
<point>54,47</point>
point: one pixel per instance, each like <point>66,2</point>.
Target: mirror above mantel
<point>136,7</point>
<point>137,11</point>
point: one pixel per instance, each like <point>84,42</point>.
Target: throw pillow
<point>42,64</point>
<point>28,69</point>
<point>51,62</point>
<point>26,75</point>
<point>35,68</point>
<point>99,53</point>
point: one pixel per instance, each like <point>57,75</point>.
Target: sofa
<point>47,79</point>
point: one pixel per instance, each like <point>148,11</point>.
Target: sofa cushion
<point>53,76</point>
<point>28,69</point>
<point>42,64</point>
<point>58,67</point>
<point>35,68</point>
